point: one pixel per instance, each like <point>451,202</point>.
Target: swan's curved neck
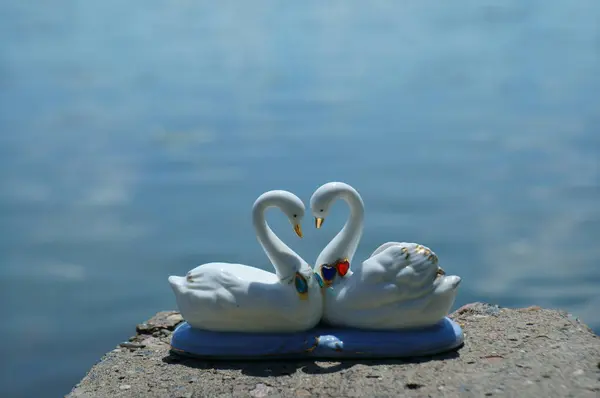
<point>344,244</point>
<point>284,259</point>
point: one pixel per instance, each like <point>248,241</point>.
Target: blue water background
<point>135,136</point>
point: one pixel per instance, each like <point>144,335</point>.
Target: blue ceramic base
<point>318,343</point>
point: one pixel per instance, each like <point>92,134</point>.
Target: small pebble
<point>125,387</point>
<point>578,372</point>
<point>260,391</point>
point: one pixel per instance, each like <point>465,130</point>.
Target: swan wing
<point>396,275</point>
<point>227,286</point>
<point>407,265</point>
<point>383,247</point>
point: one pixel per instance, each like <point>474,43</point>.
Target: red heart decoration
<point>343,267</point>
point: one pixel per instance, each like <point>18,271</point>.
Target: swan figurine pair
<point>400,285</point>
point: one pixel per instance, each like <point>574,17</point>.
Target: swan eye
<point>321,210</point>
<point>295,215</point>
<point>301,284</point>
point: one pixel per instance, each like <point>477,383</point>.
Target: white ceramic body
<point>389,290</point>
<point>239,298</point>
<point>229,297</point>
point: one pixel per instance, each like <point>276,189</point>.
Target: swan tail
<point>448,284</point>
<point>176,282</point>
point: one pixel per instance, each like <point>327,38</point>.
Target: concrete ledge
<point>529,352</point>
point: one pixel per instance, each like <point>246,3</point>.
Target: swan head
<point>291,205</point>
<point>322,199</point>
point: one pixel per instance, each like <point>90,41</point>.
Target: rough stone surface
<point>528,352</point>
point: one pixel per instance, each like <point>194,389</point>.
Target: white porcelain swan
<point>239,298</point>
<point>399,286</point>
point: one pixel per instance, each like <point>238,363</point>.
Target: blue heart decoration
<point>328,272</point>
